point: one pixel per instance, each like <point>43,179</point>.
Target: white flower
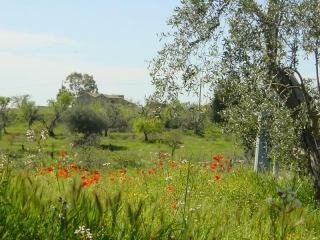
<point>61,216</point>
<point>169,178</point>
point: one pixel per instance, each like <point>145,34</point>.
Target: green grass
<point>133,193</point>
<point>163,200</point>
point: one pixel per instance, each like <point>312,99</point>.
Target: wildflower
<point>95,178</point>
<point>61,216</point>
<point>217,158</point>
<point>74,166</point>
<point>44,134</point>
<point>162,155</point>
<point>228,169</point>
<point>174,206</point>
<point>217,177</point>
<point>53,208</point>
<point>95,172</point>
<point>122,171</point>
<point>168,179</point>
<point>63,154</point>
<point>50,169</point>
<point>161,164</point>
<point>86,183</point>
<point>83,231</point>
<point>226,161</point>
<point>62,174</point>
<point>112,179</point>
<point>170,188</point>
<point>31,135</point>
<point>173,164</point>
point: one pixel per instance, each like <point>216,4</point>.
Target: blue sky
<point>42,42</point>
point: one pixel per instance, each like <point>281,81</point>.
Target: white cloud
<point>24,39</point>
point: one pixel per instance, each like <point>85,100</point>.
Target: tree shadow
<point>112,147</point>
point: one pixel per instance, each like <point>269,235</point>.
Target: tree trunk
<point>53,124</point>
<point>311,145</point>
<point>285,83</point>
<point>146,136</point>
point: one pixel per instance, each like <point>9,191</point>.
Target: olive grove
<point>251,50</point>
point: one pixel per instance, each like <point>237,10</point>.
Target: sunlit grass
<point>165,199</point>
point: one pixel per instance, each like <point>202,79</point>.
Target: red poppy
<point>50,169</point>
<point>83,177</point>
<point>214,166</point>
<point>161,164</point>
<point>95,178</point>
<point>170,188</point>
<point>63,154</point>
<point>218,158</point>
<point>95,172</point>
<point>229,168</point>
<point>173,164</point>
<point>122,171</point>
<point>217,177</point>
<point>42,172</point>
<point>63,174</point>
<point>60,166</point>
<point>112,179</point>
<point>74,166</point>
<point>226,161</point>
<point>162,155</point>
<point>86,183</point>
<point>174,206</point>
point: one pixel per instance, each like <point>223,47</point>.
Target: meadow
<point>50,189</point>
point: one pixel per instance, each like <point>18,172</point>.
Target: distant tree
<point>78,84</point>
<point>6,114</point>
<point>217,106</point>
<point>173,114</point>
<point>152,108</point>
<point>194,117</point>
<point>172,138</point>
<point>81,119</point>
<point>112,116</point>
<point>59,105</point>
<point>147,126</point>
<point>27,108</point>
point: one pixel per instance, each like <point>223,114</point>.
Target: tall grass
<point>181,199</point>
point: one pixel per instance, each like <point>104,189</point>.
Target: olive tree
<point>6,113</point>
<point>172,138</point>
<point>84,122</point>
<point>250,48</point>
<point>59,105</point>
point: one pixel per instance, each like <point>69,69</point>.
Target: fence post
<point>261,161</point>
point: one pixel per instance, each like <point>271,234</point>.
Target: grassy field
<point>50,189</point>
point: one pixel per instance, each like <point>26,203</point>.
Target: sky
<point>42,42</point>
